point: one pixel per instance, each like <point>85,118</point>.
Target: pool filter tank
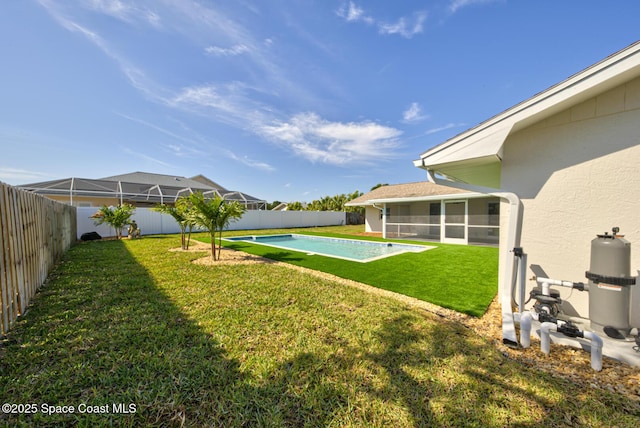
<point>610,285</point>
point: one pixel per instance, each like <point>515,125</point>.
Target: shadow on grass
<point>101,336</point>
<point>103,333</point>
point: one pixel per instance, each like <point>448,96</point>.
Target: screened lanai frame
<point>134,193</point>
<point>479,226</point>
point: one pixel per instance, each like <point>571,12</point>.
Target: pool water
<point>348,249</point>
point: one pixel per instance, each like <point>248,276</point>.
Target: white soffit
<point>455,196</point>
<point>485,143</point>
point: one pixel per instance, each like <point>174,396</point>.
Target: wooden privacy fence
<point>34,233</point>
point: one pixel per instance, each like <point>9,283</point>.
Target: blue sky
<point>286,100</point>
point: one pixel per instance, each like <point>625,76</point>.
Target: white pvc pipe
<point>525,329</point>
<point>596,343</point>
<point>546,289</point>
<point>545,339</point>
<point>522,272</point>
<point>549,281</point>
<point>596,350</point>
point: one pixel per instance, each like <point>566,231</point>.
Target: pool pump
<point>610,303</point>
<point>609,288</point>
<point>610,285</point>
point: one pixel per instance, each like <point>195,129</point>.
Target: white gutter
<point>507,272</point>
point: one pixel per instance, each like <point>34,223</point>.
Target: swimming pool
<point>347,249</point>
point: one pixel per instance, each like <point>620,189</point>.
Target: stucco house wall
<point>84,201</point>
<point>577,174</point>
<point>372,221</point>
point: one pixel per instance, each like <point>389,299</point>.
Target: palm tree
<point>338,201</point>
<point>116,217</point>
<point>181,212</point>
<point>351,197</point>
<point>214,214</point>
<point>294,206</point>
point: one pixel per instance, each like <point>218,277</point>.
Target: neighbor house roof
<point>421,190</point>
<point>159,179</point>
<point>136,187</point>
<point>478,151</point>
<point>205,180</point>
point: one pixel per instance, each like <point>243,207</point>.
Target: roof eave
<point>607,74</point>
<point>469,195</point>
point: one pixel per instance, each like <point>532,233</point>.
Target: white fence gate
<point>152,222</point>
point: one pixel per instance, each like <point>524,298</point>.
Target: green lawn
<point>129,323</point>
<point>459,277</point>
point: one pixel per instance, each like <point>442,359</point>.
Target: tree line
<point>328,203</point>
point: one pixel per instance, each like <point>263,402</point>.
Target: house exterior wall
<point>577,174</point>
<point>372,221</point>
<point>84,200</point>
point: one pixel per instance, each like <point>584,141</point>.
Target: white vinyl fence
<point>151,222</point>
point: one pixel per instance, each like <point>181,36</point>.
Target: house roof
<point>421,190</point>
<point>480,148</point>
<point>162,180</point>
<point>205,180</point>
<point>136,187</point>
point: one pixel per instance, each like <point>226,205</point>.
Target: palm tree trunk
<point>213,246</point>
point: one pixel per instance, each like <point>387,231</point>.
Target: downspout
<point>507,271</point>
<point>71,191</point>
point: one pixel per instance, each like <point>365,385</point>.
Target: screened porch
<point>460,221</point>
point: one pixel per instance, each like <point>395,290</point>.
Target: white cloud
<point>443,128</point>
<point>136,76</point>
<point>231,104</point>
<point>232,51</point>
<point>126,12</point>
<point>20,175</point>
<point>318,140</point>
<point>353,13</point>
<point>456,5</point>
<point>404,27</point>
<point>413,114</point>
<point>157,128</point>
<point>245,160</point>
<point>146,158</point>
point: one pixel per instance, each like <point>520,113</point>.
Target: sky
<point>287,100</point>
